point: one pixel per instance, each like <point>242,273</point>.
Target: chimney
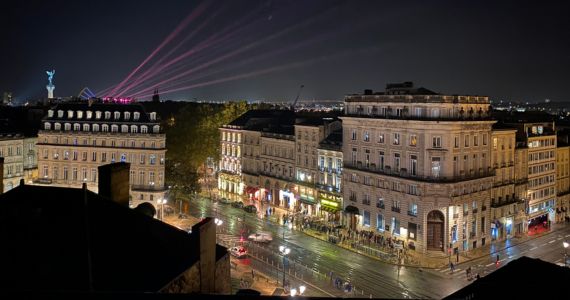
<point>114,182</point>
<point>368,92</point>
<point>206,235</point>
<point>1,175</point>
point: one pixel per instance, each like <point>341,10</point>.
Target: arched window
<point>57,126</point>
<point>117,115</point>
<point>152,116</point>
<point>107,115</point>
<point>156,129</point>
<point>144,129</point>
<point>85,127</point>
<point>47,126</point>
<point>136,115</point>
<point>50,113</point>
<point>67,126</point>
<point>134,129</point>
<point>105,128</point>
<point>95,127</point>
<point>127,115</point>
<point>76,127</point>
<point>125,128</point>
<point>114,128</point>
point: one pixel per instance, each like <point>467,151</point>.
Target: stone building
<point>329,184</point>
<point>562,179</point>
<point>76,138</point>
<point>230,185</point>
<point>417,166</point>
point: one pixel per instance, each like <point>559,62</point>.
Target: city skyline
<point>513,51</point>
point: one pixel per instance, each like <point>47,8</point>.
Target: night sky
<point>264,50</point>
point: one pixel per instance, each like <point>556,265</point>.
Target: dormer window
<point>70,114</point>
<point>152,116</point>
<point>125,128</point>
<point>95,127</point>
<point>156,129</point>
<point>76,127</point>
<point>97,115</point>
<point>57,126</point>
<point>67,126</point>
<point>136,115</point>
<point>50,113</point>
<point>47,126</point>
<point>127,115</point>
<point>105,128</point>
<point>60,113</point>
<point>117,115</point>
<point>114,128</point>
<point>134,129</point>
<point>107,115</point>
<point>79,114</point>
<point>144,129</point>
<point>89,114</point>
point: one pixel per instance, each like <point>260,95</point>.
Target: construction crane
<point>297,98</point>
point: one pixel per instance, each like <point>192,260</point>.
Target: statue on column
<point>50,87</point>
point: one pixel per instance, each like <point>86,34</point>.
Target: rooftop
<point>66,239</point>
<point>102,107</point>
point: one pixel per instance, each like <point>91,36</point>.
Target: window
<point>366,218</point>
<point>475,141</point>
<point>435,167</point>
<point>413,209</point>
<point>144,129</point>
<point>136,115</point>
<point>474,205</point>
<point>84,155</point>
<point>124,128</point>
<point>127,115</point>
<point>381,138</point>
<point>436,142</point>
<point>65,174</point>
<point>67,126</point>
<point>103,157</point>
<point>413,164</point>
<point>353,135</point>
<point>379,222</point>
<point>117,115</point>
<point>380,203</point>
<point>76,127</point>
<point>57,126</point>
<point>70,114</point>
<point>89,114</point>
<point>95,127</point>
<point>366,136</point>
<point>484,139</point>
<point>105,128</point>
<point>156,129</point>
<point>84,174</point>
<point>395,226</point>
<point>142,159</point>
<point>435,113</point>
<point>124,157</point>
<point>93,174</point>
<point>107,115</point>
<point>74,174</point>
<point>47,126</point>
<point>396,139</point>
<point>152,159</point>
<point>495,142</point>
<point>381,160</point>
<point>79,114</point>
<point>152,116</point>
<point>66,155</point>
<point>396,162</point>
<point>413,140</point>
<point>114,128</point>
<point>467,141</point>
<point>456,142</point>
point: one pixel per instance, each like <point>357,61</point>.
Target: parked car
<point>238,251</point>
<point>250,209</point>
<point>225,201</point>
<point>264,237</point>
<point>237,204</point>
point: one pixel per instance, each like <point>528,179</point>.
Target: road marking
<point>523,252</point>
<point>489,265</point>
<point>552,241</point>
<point>532,248</point>
<point>502,259</point>
<point>543,245</point>
<point>560,238</point>
<point>511,256</point>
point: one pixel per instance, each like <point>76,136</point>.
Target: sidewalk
<point>412,258</point>
<point>261,282</point>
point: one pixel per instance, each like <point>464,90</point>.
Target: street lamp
<point>301,291</point>
<point>284,251</point>
<point>565,244</point>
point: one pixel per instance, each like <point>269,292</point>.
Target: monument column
<point>50,87</point>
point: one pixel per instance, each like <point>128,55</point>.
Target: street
<point>368,276</point>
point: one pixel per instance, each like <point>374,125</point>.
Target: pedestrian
<point>497,259</point>
<point>451,266</point>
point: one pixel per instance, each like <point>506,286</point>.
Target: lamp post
<point>284,251</point>
<point>565,244</point>
<point>300,291</point>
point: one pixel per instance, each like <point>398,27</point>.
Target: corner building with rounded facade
<point>417,167</point>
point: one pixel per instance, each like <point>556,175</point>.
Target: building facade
<point>417,166</point>
<point>12,149</point>
<point>76,138</point>
<point>230,185</point>
<point>329,184</point>
<point>562,180</point>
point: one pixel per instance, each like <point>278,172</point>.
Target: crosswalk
<point>460,273</point>
<point>228,239</point>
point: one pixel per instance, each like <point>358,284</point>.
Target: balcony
<point>395,209</point>
<point>412,213</point>
<point>366,202</point>
<point>474,210</point>
<point>506,202</point>
<point>380,205</point>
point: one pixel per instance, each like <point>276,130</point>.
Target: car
<point>238,251</point>
<point>225,201</point>
<point>264,237</point>
<point>237,204</point>
<point>250,208</point>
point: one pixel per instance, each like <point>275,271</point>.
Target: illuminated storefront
<point>331,206</point>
